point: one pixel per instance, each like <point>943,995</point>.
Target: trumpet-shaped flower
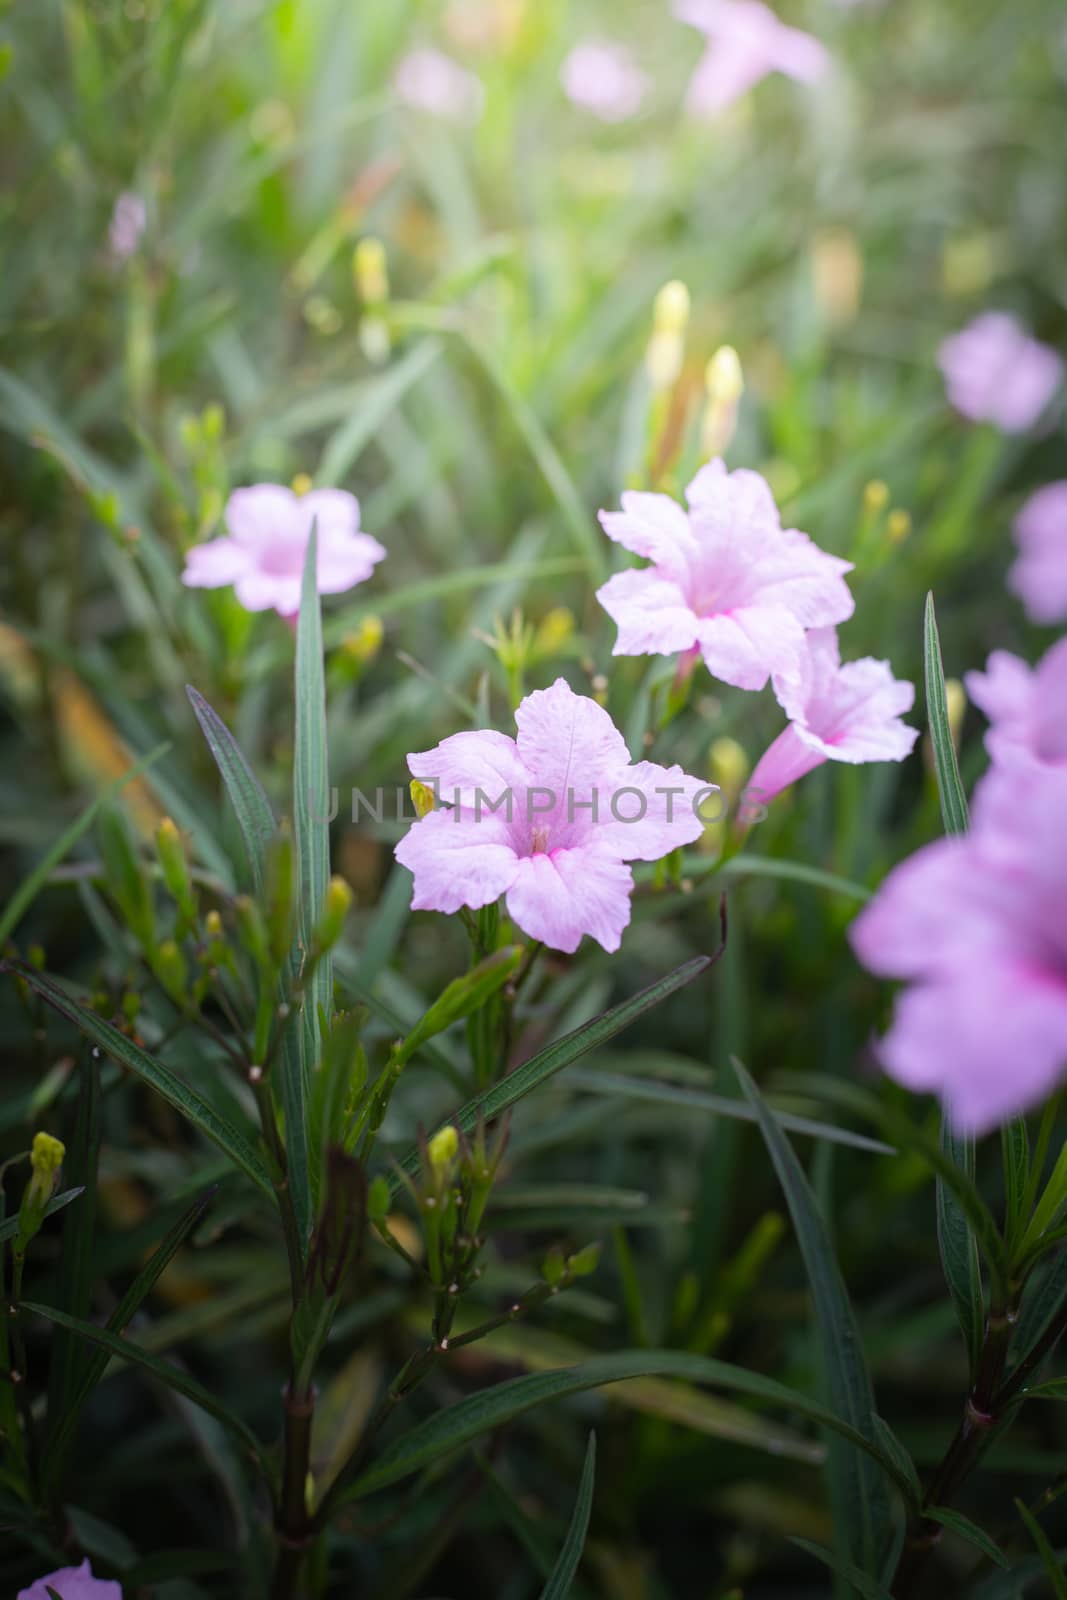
<point>746,42</point>
<point>263,557</point>
<point>428,80</point>
<point>975,927</point>
<point>548,819</point>
<point>1039,576</point>
<point>72,1583</point>
<point>726,581</point>
<point>836,713</point>
<point>1026,706</point>
<point>995,372</point>
<point>603,78</point>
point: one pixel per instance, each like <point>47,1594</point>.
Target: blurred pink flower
<point>72,1583</point>
<point>995,372</point>
<point>1039,576</point>
<point>746,42</point>
<point>975,926</point>
<point>428,80</point>
<point>726,579</point>
<point>836,713</point>
<point>603,77</point>
<point>128,219</point>
<point>548,819</point>
<point>1026,706</point>
<point>263,558</point>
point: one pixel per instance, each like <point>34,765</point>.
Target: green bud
<point>337,904</point>
<point>251,929</point>
<point>443,1149</point>
<point>422,798</point>
<point>554,1267</point>
<point>462,996</point>
<point>46,1158</point>
<point>585,1261</point>
<point>172,970</point>
<point>378,1199</point>
<point>174,867</point>
<point>213,422</point>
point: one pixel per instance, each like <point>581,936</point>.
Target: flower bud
<point>175,868</point>
<point>875,496</point>
<point>213,422</point>
<point>251,929</point>
<point>371,272</point>
<point>898,525</point>
<point>585,1261</point>
<point>378,1199</point>
<point>729,767</point>
<point>422,798</point>
<point>670,309</point>
<point>302,484</point>
<point>46,1158</point>
<point>336,906</point>
<point>724,383</point>
<point>554,631</point>
<point>443,1149</point>
<point>172,970</point>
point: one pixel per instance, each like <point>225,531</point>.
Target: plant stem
<point>294,1526</point>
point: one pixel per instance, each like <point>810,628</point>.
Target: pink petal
<point>1003,691</point>
<point>331,510</point>
<point>990,1042</point>
<point>457,861</point>
<point>651,613</point>
<point>795,572</point>
<point>73,1583</point>
<point>781,764</point>
<point>559,897</point>
<point>344,560</point>
<point>726,71</point>
<point>745,646</point>
<point>267,591</point>
<point>1039,576</point>
<point>467,763</point>
<point>215,565</point>
<point>261,512</point>
<point>641,821</point>
<point>654,526</point>
<point>566,740</point>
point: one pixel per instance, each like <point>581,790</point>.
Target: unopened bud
<point>725,383</point>
<point>728,765</point>
<point>362,645</point>
<point>46,1157</point>
<point>875,496</point>
<point>336,906</point>
<point>173,865</point>
<point>898,525</point>
<point>554,631</point>
<point>378,1198</point>
<point>422,798</point>
<point>443,1149</point>
<point>670,310</point>
<point>585,1261</point>
<point>213,422</point>
<point>251,929</point>
<point>172,969</point>
<point>302,484</point>
<point>371,272</point>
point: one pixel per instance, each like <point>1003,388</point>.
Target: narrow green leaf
<point>959,1249</point>
<point>1054,1389</point>
<point>164,1371</point>
<point>950,788</point>
<point>380,398</point>
<point>861,1583</point>
<point>479,1413</point>
<point>1015,1150</point>
<point>251,806</point>
<point>967,1530</point>
<point>862,1506</point>
<point>1043,1296</point>
<point>62,1424</point>
<point>34,882</point>
<point>75,1278</point>
<point>525,1079</point>
<point>562,1575</point>
<point>1053,1566</point>
<point>230,1140</point>
<point>10,1227</point>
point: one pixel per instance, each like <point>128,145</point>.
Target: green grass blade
<point>562,1575</point>
<point>1015,1150</point>
<point>861,1584</point>
<point>968,1530</point>
<point>34,882</point>
<point>10,1227</point>
<point>164,1371</point>
<point>185,1099</point>
<point>1053,1566</point>
<point>861,1503</point>
<point>959,1249</point>
<point>76,1261</point>
<point>525,1079</point>
<point>457,1425</point>
<point>949,785</point>
<point>251,806</point>
<point>356,431</point>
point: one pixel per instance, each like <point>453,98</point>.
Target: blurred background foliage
<point>482,410</point>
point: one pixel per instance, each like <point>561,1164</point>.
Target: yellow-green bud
<point>898,525</point>
<point>362,645</point>
<point>554,630</point>
<point>443,1149</point>
<point>302,483</point>
<point>422,798</point>
<point>875,496</point>
<point>729,767</point>
<point>251,929</point>
<point>670,310</point>
<point>585,1261</point>
<point>336,906</point>
<point>371,272</point>
<point>172,969</point>
<point>173,865</point>
<point>213,422</point>
<point>46,1158</point>
<point>723,378</point>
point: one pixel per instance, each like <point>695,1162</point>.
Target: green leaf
<point>525,1079</point>
<point>967,1530</point>
<point>381,396</point>
<point>861,1583</point>
<point>462,996</point>
<point>230,1140</point>
<point>1043,1296</point>
<point>959,1249</point>
<point>1015,1151</point>
<point>251,806</point>
<point>1053,1567</point>
<point>562,1575</point>
<point>458,1424</point>
<point>9,1228</point>
<point>174,1377</point>
<point>76,1261</point>
<point>862,1506</point>
<point>311,837</point>
<point>63,1423</point>
<point>950,788</point>
<point>1054,1389</point>
<point>34,882</point>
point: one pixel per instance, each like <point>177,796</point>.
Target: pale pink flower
<point>836,713</point>
<point>995,372</point>
<point>1039,576</point>
<point>726,579</point>
<point>603,77</point>
<point>428,80</point>
<point>72,1583</point>
<point>746,42</point>
<point>975,926</point>
<point>1026,706</point>
<point>263,557</point>
<point>548,819</point>
<point>128,220</point>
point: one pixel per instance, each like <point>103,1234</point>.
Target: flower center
<point>539,839</point>
<point>283,558</point>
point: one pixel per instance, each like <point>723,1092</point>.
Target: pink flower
<point>1027,707</point>
<point>128,220</point>
<point>975,926</point>
<point>604,78</point>
<point>726,579</point>
<point>264,556</point>
<point>1039,576</point>
<point>995,372</point>
<point>548,819</point>
<point>836,713</point>
<point>428,80</point>
<point>72,1583</point>
<point>746,42</point>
